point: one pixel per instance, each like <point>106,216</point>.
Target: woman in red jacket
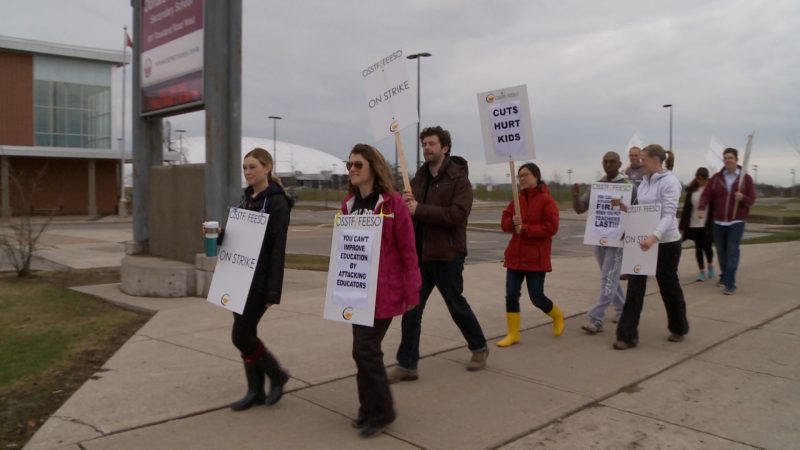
<point>371,192</point>
<point>528,253</point>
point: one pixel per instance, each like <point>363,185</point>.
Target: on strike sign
<point>391,101</point>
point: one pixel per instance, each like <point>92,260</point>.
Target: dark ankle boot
<point>277,376</point>
<point>255,388</point>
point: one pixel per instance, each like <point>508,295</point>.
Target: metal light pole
<point>180,146</point>
<point>569,177</point>
<point>418,56</point>
<point>275,120</point>
<point>755,173</point>
<point>670,124</point>
<point>793,183</point>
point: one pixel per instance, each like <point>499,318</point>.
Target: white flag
<point>634,141</point>
<point>714,155</point>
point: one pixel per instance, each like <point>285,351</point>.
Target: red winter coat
<point>529,251</point>
<point>716,192</point>
<point>398,270</point>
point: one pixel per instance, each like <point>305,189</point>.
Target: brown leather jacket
<point>444,204</point>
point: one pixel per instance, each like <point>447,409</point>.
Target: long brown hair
<point>378,166</point>
<point>263,156</point>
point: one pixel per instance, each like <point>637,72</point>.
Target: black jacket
<point>444,204</point>
<point>268,277</point>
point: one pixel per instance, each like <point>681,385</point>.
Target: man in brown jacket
<point>440,205</point>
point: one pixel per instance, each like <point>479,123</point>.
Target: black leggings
<point>244,333</point>
<point>702,244</point>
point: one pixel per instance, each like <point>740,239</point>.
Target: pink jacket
<point>399,280</point>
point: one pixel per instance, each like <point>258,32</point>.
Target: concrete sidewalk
<point>734,382</point>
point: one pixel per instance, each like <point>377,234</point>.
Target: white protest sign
<point>353,271</point>
<point>391,101</point>
<point>640,223</point>
<point>237,259</point>
<point>506,124</point>
<point>604,224</point>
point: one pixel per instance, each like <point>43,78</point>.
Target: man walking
<point>635,171</point>
<point>609,258</point>
<point>726,192</point>
<point>440,205</point>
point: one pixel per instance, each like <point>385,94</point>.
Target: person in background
<point>732,200</point>
<point>659,186</point>
<point>608,258</point>
<point>370,191</point>
<point>696,229</point>
<point>264,193</point>
<point>635,171</point>
<point>527,256</point>
<point>440,205</point>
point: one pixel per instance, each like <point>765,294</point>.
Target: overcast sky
<point>596,72</point>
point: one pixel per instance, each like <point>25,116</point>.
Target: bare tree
<point>20,238</point>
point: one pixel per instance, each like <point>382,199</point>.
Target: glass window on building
<point>72,103</point>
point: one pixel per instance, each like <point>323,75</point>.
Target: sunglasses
<point>357,164</point>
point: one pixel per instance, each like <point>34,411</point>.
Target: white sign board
<point>604,224</point>
<point>640,223</point>
<point>391,101</point>
<point>353,271</point>
<point>237,259</point>
<point>506,124</point>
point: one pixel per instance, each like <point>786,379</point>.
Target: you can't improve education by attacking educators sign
<point>353,271</point>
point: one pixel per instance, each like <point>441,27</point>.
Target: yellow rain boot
<point>558,320</point>
<point>513,330</point>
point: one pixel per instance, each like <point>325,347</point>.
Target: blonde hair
<point>263,156</point>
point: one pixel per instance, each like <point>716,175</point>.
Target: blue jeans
<point>610,261</point>
<point>535,290</point>
<point>447,276</point>
<point>727,239</point>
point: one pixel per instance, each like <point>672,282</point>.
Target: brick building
<point>56,147</point>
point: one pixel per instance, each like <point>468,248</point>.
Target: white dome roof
<point>292,158</point>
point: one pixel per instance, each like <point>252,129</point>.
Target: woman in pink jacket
<point>527,256</point>
<point>371,192</point>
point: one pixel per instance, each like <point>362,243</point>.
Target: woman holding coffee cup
<point>660,186</point>
<point>264,193</point>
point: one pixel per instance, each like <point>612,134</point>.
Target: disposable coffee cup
<point>210,233</point>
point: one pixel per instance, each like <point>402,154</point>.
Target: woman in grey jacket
<point>658,186</point>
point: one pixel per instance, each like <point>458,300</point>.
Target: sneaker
<point>371,429</point>
<point>710,273</point>
<point>624,345</point>
<point>478,361</point>
<point>701,276</point>
<point>398,374</point>
<point>592,327</point>
<point>675,337</point>
<point>359,422</point>
<point>729,291</point>
<point>719,281</point>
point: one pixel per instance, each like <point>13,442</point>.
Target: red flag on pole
<point>128,40</point>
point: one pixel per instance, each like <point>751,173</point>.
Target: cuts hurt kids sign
<point>506,124</point>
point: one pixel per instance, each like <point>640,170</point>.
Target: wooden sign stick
<point>401,156</point>
<point>514,187</point>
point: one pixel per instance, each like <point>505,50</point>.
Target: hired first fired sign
<point>390,97</point>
